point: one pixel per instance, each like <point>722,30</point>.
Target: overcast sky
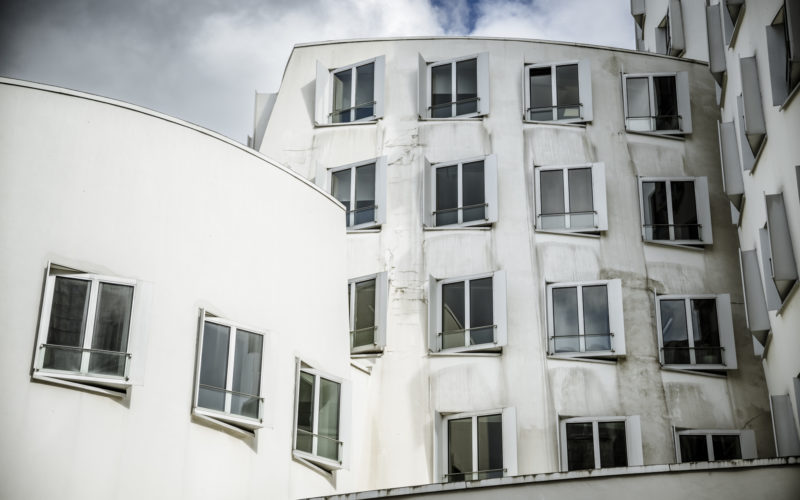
<point>202,60</point>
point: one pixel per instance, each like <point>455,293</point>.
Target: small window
<point>669,32</point>
<point>585,319</point>
<point>675,210</point>
<point>367,299</point>
<point>571,199</point>
<point>732,13</point>
<point>229,380</point>
<point>697,445</point>
<point>657,103</point>
<point>783,49</point>
<point>461,194</point>
<point>351,93</point>
<point>755,128</point>
<point>84,330</point>
<point>777,251</point>
<point>467,314</point>
<point>454,88</point>
<point>558,92</point>
<point>600,442</point>
<point>361,188</point>
<point>478,445</point>
<point>695,332</point>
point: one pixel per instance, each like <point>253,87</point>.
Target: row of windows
<point>459,88</point>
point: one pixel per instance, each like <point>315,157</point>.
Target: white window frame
<point>599,197</point>
<point>225,418</point>
<point>782,60</point>
<point>702,206</point>
<point>424,86</point>
<point>747,441</point>
<point>104,384</point>
<point>584,91</point>
<point>489,190</point>
<point>498,313</point>
<point>633,438</point>
<point>323,108</point>
<point>681,94</point>
<point>616,319</point>
<point>724,325</point>
<point>323,464</point>
<point>380,308</point>
<point>380,191</point>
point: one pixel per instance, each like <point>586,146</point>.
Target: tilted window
<point>367,297</point>
<point>783,50</point>
<point>755,128</point>
<point>777,252</point>
<point>675,210</point>
<point>361,188</point>
<point>454,88</point>
<point>351,93</point>
<point>755,302</point>
<point>600,442</point>
<point>669,32</point>
<point>732,179</point>
<point>717,63</point>
<point>477,445</point>
<point>700,445</point>
<point>638,11</point>
<point>571,199</point>
<point>787,443</point>
<point>467,314</point>
<point>463,193</point>
<point>558,92</point>
<point>696,332</point>
<point>585,319</point>
<point>229,378</point>
<point>732,13</point>
<point>657,103</point>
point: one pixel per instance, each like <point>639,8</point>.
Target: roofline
<point>176,121</point>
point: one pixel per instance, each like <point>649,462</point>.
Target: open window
<point>746,156</point>
<point>600,442</point>
<point>717,63</point>
<point>461,194</point>
<point>455,88</point>
<point>638,12</point>
<point>361,188</point>
<point>704,445</point>
<point>783,50</point>
<point>669,32</point>
<point>732,179</point>
<point>585,319</point>
<point>467,313</point>
<point>560,92</point>
<point>695,332</point>
<point>657,103</point>
<point>349,94</point>
<point>571,199</point>
<point>229,382</point>
<point>367,297</point>
<point>787,443</point>
<point>675,210</point>
<point>732,14</point>
<point>777,252</point>
<point>755,128</point>
<point>755,302</point>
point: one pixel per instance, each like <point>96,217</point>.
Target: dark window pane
<point>706,332</point>
<point>342,88</point>
<point>490,446</point>
<point>246,373</point>
<point>580,446</point>
<point>567,92</point>
<point>595,318</point>
<point>541,94</point>
<point>365,194</point>
<point>305,412</point>
<point>581,202</point>
<point>112,321</point>
<point>726,447</point>
<point>565,319</point>
<point>67,323</point>
<point>459,449</point>
<point>467,86</point>
<point>447,195</point>
<point>213,367</point>
<point>328,426</point>
<point>613,449</point>
<point>674,332</point>
<point>666,98</point>
<point>638,98</point>
<point>441,91</point>
<point>453,315</point>
<point>474,192</point>
<point>656,216</point>
<point>551,193</point>
<point>364,333</point>
<point>693,448</point>
<point>365,88</point>
<point>684,210</point>
<point>340,189</point>
<point>481,311</point>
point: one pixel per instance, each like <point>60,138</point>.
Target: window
<point>787,443</point>
<point>783,49</point>
<point>351,93</point>
<point>732,180</point>
<point>748,159</point>
<point>361,188</point>
<point>696,445</point>
<point>320,423</point>
<point>229,366</point>
<point>675,210</point>
<point>585,319</point>
<point>732,13</point>
<point>657,103</point>
<point>695,332</point>
<point>558,92</point>
<point>777,252</point>
<point>461,194</point>
<point>717,63</point>
<point>669,33</point>
<point>638,12</point>
<point>367,299</point>
<point>454,88</point>
<point>477,445</point>
<point>84,330</point>
<point>600,442</point>
<point>571,199</point>
<point>755,303</point>
<point>755,128</point>
<point>467,314</point>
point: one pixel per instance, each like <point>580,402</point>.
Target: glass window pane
<point>467,86</point>
<point>596,328</point>
<point>656,218</point>
<point>638,98</point>
<point>453,315</point>
<point>67,323</point>
<point>112,321</point>
<point>441,91</point>
<point>328,427</point>
<point>684,211</point>
<point>459,449</point>
<point>666,97</point>
<point>551,194</point>
<point>365,88</point>
<point>473,191</point>
<point>581,202</point>
<point>611,439</point>
<point>364,333</point>
<point>490,446</point>
<point>305,413</point>
<point>706,332</point>
<point>342,88</point>
<point>580,446</point>
<point>213,367</point>
<point>565,319</point>
<point>694,447</point>
<point>541,94</point>
<point>726,447</point>
<point>481,311</point>
<point>447,195</point>
<point>340,189</point>
<point>674,331</point>
<point>567,93</point>
<point>247,373</point>
<point>365,194</point>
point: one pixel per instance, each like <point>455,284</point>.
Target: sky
<point>203,60</point>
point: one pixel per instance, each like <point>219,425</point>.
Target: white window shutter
<point>322,91</point>
<point>747,440</point>
<point>380,190</point>
<point>500,307</point>
<point>433,314</point>
<point>770,290</point>
<point>422,88</point>
<point>716,46</point>
<point>428,195</point>
<point>745,153</point>
<point>732,180</point>
<point>381,307</point>
<point>676,28</point>
<point>483,83</point>
<point>379,91</point>
<point>726,336</point>
<point>776,54</point>
<point>345,421</point>
<point>585,89</point>
<point>599,194</point>
<point>754,125</point>
<point>509,431</point>
<point>616,316</point>
<point>703,209</point>
<point>755,304</point>
<point>684,101</point>
<point>490,187</point>
<point>633,439</point>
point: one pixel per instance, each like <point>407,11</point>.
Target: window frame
<point>730,25</point>
<point>489,189</point>
<point>633,439</point>
<point>702,209</point>
<point>754,125</point>
<point>682,97</point>
<point>380,308</point>
<point>584,91</point>
<point>482,86</point>
<point>783,52</point>
<point>747,441</point>
<point>323,109</point>
<point>379,217</point>
<point>717,62</point>
<point>669,32</point>
<point>599,198</point>
<point>780,273</point>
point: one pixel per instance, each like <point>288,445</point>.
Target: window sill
<point>320,464</point>
<point>457,228</point>
<point>675,135</point>
<point>683,246</point>
<point>345,124</point>
<point>571,233</point>
<point>558,123</point>
<point>108,387</point>
<point>241,424</point>
<point>585,358</point>
<point>364,231</point>
<point>714,371</point>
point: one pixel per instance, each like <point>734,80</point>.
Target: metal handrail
<point>362,209</point>
<point>459,208</point>
<point>461,101</point>
<point>503,470</point>
<point>85,349</point>
<point>609,334</point>
<point>373,327</point>
<point>448,332</point>
<point>721,348</point>
<point>568,213</point>
<point>236,393</point>
<point>357,106</point>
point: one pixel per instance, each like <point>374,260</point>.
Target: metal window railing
<point>654,121</point>
<point>460,101</point>
<point>88,351</point>
<point>256,397</point>
<point>465,207</point>
<point>540,109</point>
<point>473,473</point>
<point>317,437</point>
<point>467,338</point>
<point>357,106</point>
